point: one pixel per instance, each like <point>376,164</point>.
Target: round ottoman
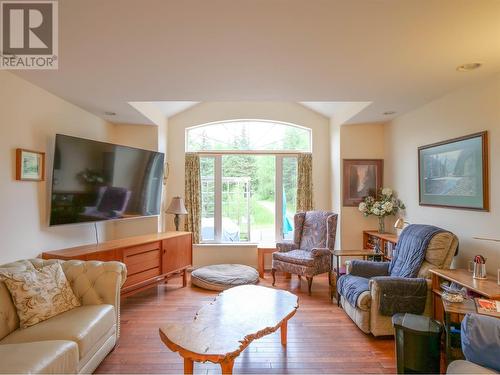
<point>224,276</point>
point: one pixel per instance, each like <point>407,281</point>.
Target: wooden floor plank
<point>321,337</point>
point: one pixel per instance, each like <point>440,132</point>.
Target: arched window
<point>248,135</point>
<point>248,178</point>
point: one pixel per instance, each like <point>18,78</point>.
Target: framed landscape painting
<point>454,173</point>
<point>30,165</point>
<point>362,177</point>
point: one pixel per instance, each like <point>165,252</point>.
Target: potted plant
<point>386,204</point>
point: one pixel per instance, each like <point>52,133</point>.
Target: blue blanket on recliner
<point>407,260</point>
<point>410,250</point>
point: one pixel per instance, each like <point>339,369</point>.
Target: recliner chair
<point>366,312</point>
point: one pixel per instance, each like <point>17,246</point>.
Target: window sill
<point>227,244</point>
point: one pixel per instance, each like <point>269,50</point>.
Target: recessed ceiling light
<point>388,113</point>
<point>468,67</point>
<point>109,113</point>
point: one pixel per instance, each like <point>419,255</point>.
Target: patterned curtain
<point>304,183</point>
<point>192,195</point>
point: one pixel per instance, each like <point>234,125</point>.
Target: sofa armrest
<point>318,252</point>
<point>284,247</point>
<point>466,367</point>
<point>95,282</point>
<point>368,269</point>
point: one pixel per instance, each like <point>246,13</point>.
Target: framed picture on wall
<point>30,165</point>
<point>362,177</point>
<point>454,173</point>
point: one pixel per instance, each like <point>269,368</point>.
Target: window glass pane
<point>248,135</point>
<point>207,172</point>
<point>289,195</point>
<point>248,198</point>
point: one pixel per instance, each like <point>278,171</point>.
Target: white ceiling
<point>396,54</point>
<point>168,109</point>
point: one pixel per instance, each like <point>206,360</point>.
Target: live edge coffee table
<point>222,329</point>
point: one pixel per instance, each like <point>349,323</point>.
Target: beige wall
<point>140,136</point>
<point>29,118</point>
<point>204,255</point>
<point>336,178</point>
<point>469,110</point>
<point>219,111</point>
<point>360,141</point>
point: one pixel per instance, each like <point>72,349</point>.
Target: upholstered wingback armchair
<point>372,284</point>
<point>310,253</point>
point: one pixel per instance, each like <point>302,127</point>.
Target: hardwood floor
<point>321,338</point>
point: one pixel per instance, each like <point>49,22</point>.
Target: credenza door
<point>177,253</point>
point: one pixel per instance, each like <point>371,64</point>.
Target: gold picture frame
<point>30,165</point>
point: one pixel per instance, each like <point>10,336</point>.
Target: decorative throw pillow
<point>39,294</point>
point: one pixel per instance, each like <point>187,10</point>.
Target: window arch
<point>248,135</point>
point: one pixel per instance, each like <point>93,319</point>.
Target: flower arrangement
<point>385,205</point>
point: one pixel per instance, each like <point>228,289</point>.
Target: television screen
<point>95,181</point>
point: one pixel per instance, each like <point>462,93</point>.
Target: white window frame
<point>309,130</point>
<point>278,222</point>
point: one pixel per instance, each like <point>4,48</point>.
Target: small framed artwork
<point>362,177</point>
<point>454,173</point>
<point>30,165</point>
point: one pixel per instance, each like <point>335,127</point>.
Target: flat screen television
<point>96,181</point>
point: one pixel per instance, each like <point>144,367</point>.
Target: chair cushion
<point>39,357</point>
<point>84,325</point>
<point>39,294</point>
<point>224,276</point>
<point>300,257</point>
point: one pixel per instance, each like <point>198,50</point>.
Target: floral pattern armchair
<point>310,253</point>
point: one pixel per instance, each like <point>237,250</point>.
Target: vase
<point>381,224</point>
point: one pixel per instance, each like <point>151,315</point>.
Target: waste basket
<point>418,344</point>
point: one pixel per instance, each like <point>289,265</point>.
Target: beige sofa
<point>75,341</point>
<point>365,314</point>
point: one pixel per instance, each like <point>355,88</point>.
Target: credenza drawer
<point>142,262</point>
<point>142,276</point>
<point>141,249</point>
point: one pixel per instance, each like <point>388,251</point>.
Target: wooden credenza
<point>150,259</point>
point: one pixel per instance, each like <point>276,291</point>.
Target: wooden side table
<point>453,313</point>
<point>486,288</point>
<point>349,253</point>
<point>261,252</point>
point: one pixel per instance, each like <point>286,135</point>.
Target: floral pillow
<point>39,294</point>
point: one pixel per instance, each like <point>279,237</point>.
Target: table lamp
<point>399,225</point>
<point>177,208</point>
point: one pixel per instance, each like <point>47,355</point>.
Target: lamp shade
<point>400,223</point>
<point>177,206</point>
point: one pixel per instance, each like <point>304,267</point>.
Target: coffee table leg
<point>227,366</point>
<point>188,366</point>
<point>283,330</point>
